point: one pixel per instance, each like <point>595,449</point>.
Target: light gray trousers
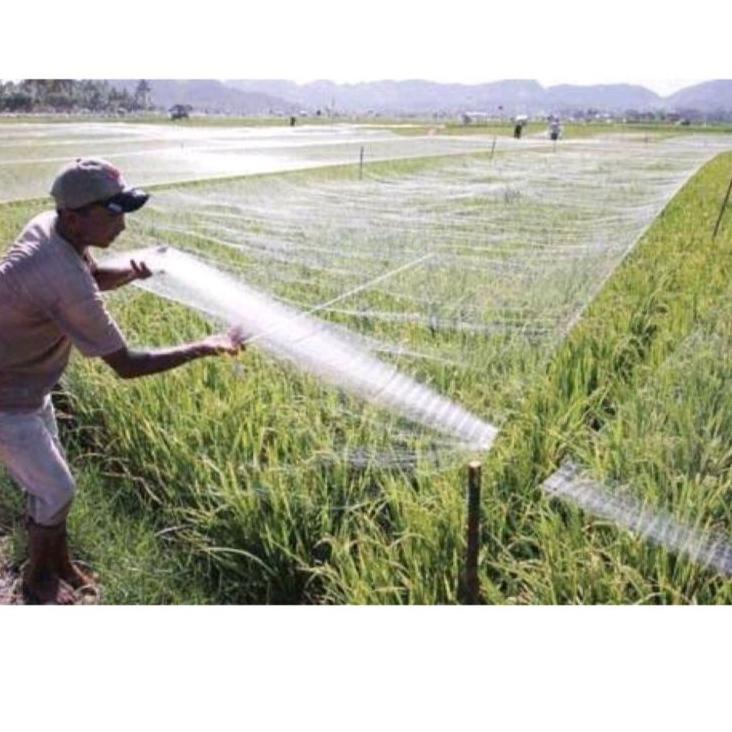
<point>32,453</point>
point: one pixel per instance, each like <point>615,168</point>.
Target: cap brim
<point>127,201</point>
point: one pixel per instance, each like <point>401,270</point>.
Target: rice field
<point>150,154</point>
<point>566,295</point>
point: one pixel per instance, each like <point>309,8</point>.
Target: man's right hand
<point>229,343</point>
<point>129,364</point>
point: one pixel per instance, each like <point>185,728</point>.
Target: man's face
<point>96,226</point>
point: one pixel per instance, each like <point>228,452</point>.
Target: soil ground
<point>9,575</point>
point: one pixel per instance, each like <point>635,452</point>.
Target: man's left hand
<point>139,270</point>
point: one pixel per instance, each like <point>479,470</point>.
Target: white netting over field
<point>30,154</point>
<point>464,272</point>
<point>518,242</point>
<point>628,511</point>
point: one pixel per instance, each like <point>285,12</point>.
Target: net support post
<point>470,583</point>
<point>722,210</point>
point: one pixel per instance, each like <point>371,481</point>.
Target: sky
<point>565,41</point>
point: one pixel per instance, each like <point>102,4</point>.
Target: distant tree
<point>18,101</point>
<point>120,101</point>
<point>63,87</point>
<point>92,94</point>
<point>65,95</point>
<point>60,102</point>
<point>142,95</point>
<point>180,111</point>
<point>36,89</point>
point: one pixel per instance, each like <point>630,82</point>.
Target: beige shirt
<point>49,301</point>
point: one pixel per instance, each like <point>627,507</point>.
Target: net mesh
<point>464,273</point>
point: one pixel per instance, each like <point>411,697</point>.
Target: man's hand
<point>109,278</point>
<point>129,364</point>
<point>140,271</point>
<point>230,343</point>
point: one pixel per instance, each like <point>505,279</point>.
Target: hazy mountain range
<point>254,96</point>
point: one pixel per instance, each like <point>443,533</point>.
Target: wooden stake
<point>493,149</point>
<point>472,584</point>
<point>360,165</point>
<point>722,210</point>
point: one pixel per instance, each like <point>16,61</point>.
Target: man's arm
<point>129,364</point>
<point>109,278</point>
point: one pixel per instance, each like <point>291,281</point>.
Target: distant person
<point>518,129</point>
<point>555,130</point>
<point>293,121</point>
<point>50,301</point>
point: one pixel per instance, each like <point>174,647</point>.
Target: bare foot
<point>74,575</point>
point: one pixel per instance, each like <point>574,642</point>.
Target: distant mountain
<point>521,94</point>
<point>707,97</point>
<point>420,97</point>
<point>513,96</point>
<point>602,96</point>
<point>210,95</point>
<point>414,96</point>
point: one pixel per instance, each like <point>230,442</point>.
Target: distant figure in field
<point>293,121</point>
<point>555,129</point>
<point>519,126</point>
<point>50,300</point>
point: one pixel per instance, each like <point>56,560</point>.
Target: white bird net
<point>461,272</point>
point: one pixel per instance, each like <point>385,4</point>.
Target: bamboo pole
<point>471,583</point>
<point>722,210</point>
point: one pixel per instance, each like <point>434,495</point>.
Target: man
<point>555,128</point>
<point>50,301</point>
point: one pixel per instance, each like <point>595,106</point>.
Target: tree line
<point>72,95</point>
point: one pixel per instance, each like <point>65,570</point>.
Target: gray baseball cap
<point>93,180</point>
